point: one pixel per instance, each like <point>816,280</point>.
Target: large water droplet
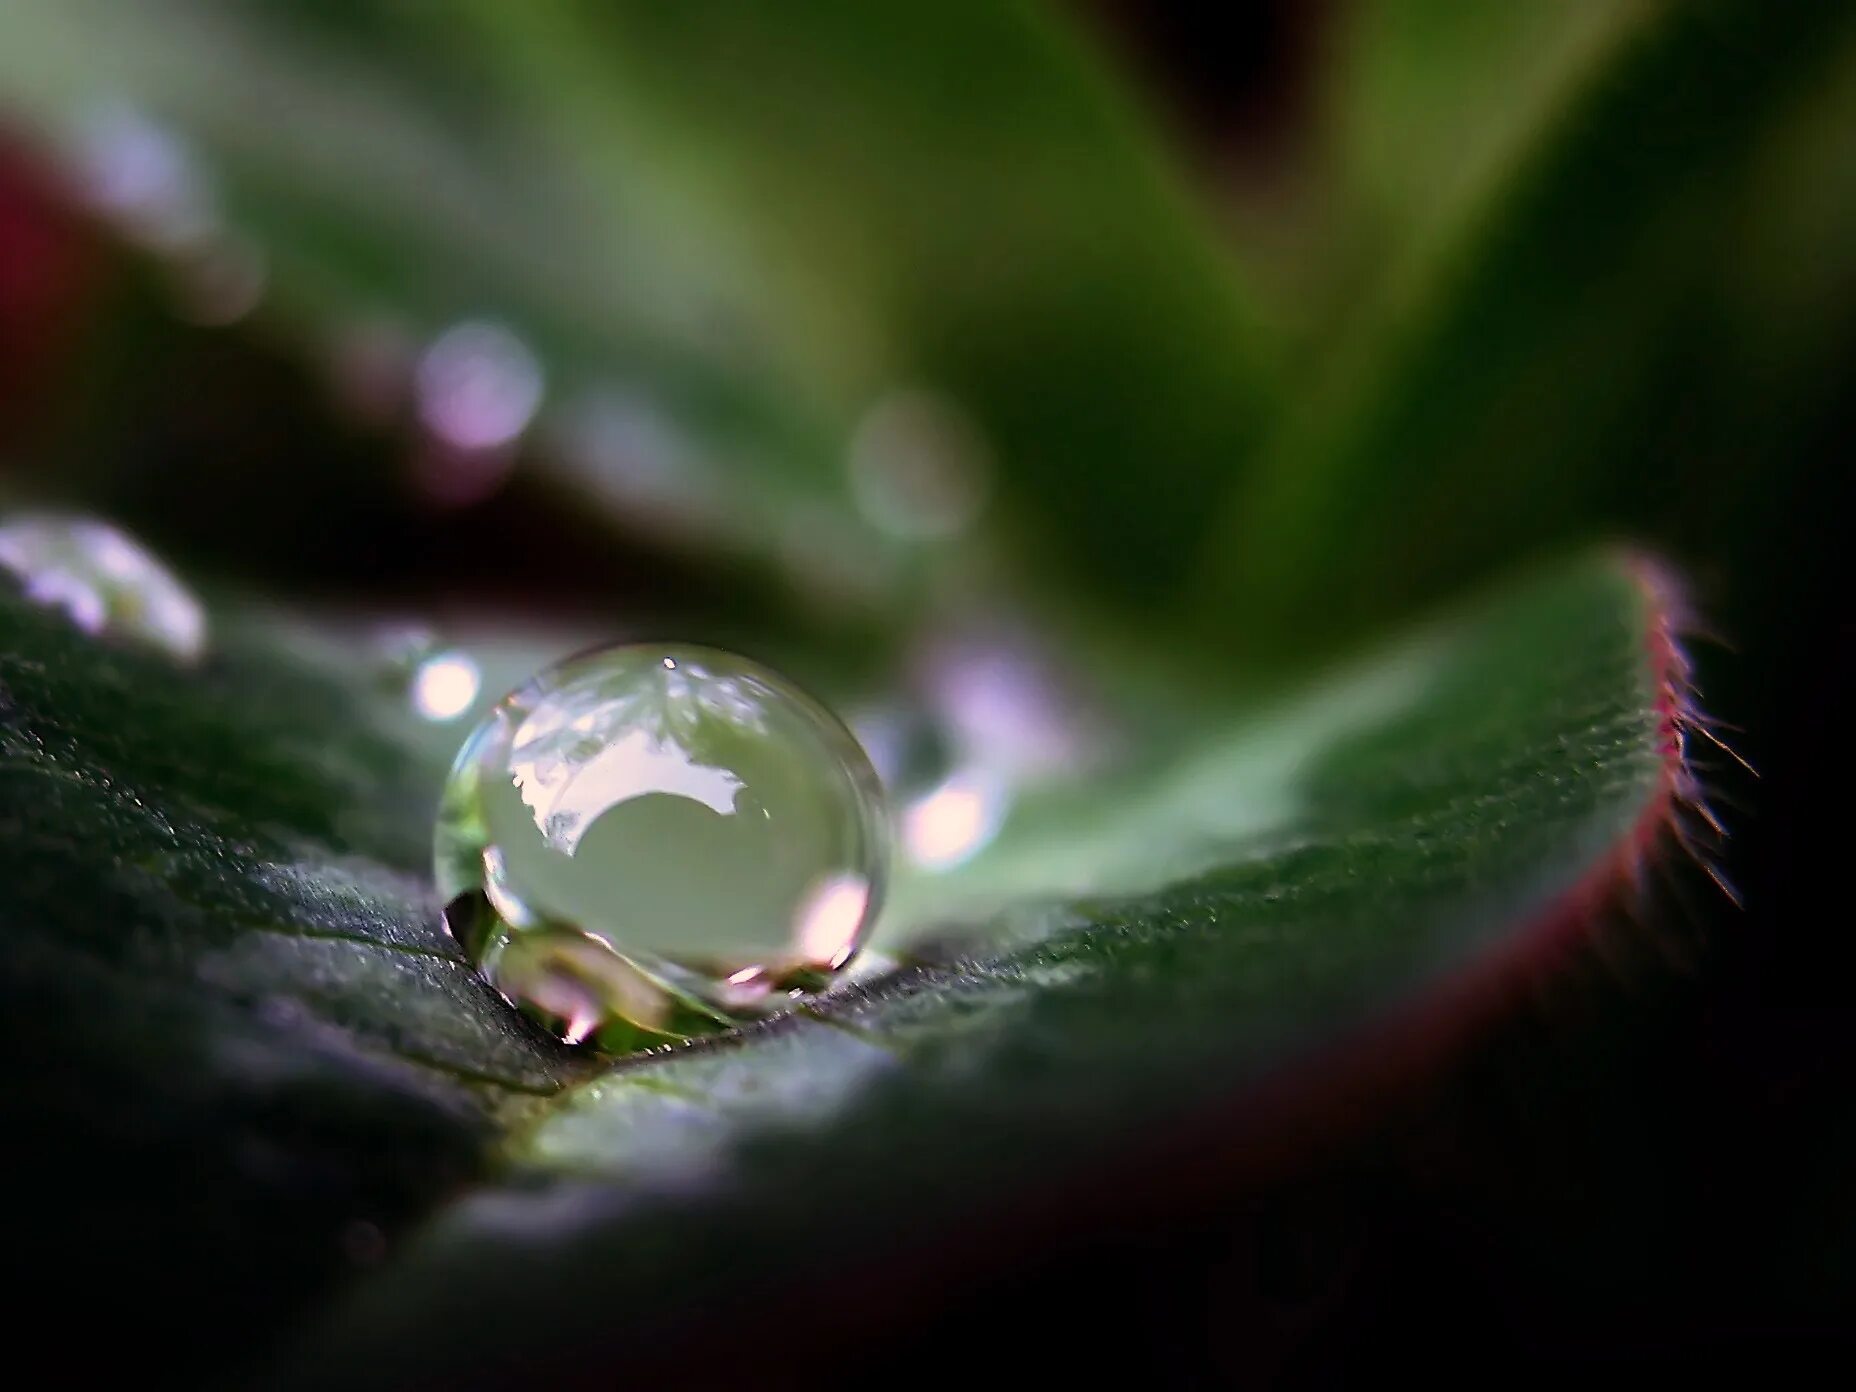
<point>659,838</point>
<point>107,583</point>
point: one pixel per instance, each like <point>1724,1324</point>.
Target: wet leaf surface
<point>248,1052</point>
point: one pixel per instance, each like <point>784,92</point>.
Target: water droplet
<point>1005,702</point>
<point>919,466</point>
<point>659,838</point>
<point>479,386</point>
<point>138,172</point>
<point>445,685</point>
<point>105,582</point>
<point>955,821</point>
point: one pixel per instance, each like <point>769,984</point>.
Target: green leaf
<point>1427,105</point>
<point>1330,882</point>
<point>1607,326</point>
<point>245,1047</point>
<point>736,230</point>
<point>234,1027</point>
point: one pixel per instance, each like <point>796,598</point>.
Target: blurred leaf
<point>1589,339</point>
<point>399,197</point>
<point>729,232</point>
<point>1427,104</point>
<point>955,184</point>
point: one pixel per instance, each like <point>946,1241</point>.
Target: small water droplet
<point>479,386</point>
<point>1006,703</point>
<point>445,685</point>
<point>105,582</point>
<point>659,839</point>
<point>142,175</point>
<point>919,466</point>
<point>956,820</point>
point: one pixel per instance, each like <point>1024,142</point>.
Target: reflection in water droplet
<point>919,466</point>
<point>106,583</point>
<point>479,386</point>
<point>445,685</point>
<point>954,822</point>
<point>659,838</point>
<point>139,173</point>
<point>829,919</point>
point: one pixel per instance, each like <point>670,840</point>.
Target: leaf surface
<point>247,1048</point>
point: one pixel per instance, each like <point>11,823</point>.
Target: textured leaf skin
<point>234,1024</point>
<point>1471,824</point>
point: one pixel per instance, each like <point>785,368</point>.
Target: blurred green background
<point>1171,352</point>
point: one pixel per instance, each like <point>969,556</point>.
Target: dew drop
<point>478,386</point>
<point>956,820</point>
<point>142,175</point>
<point>656,840</point>
<point>919,466</point>
<point>105,582</point>
<point>1007,703</point>
<point>445,685</point>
